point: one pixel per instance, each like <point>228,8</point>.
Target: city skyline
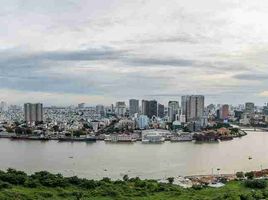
<point>98,52</point>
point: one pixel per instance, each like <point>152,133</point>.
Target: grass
<point>17,185</point>
<point>232,190</point>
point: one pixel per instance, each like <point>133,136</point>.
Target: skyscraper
<point>149,108</point>
<point>224,114</point>
<point>120,108</point>
<point>133,106</point>
<point>152,108</point>
<point>193,107</point>
<point>81,105</point>
<point>249,108</point>
<point>100,110</point>
<point>145,107</point>
<point>173,107</point>
<point>33,112</point>
<point>161,111</point>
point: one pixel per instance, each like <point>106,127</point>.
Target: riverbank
<point>16,185</point>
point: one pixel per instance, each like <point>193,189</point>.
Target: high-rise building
<point>249,108</point>
<point>100,110</point>
<point>149,108</point>
<point>120,108</point>
<point>161,111</point>
<point>224,112</point>
<point>133,106</point>
<point>193,107</point>
<point>33,112</point>
<point>173,109</point>
<point>3,106</point>
<point>81,105</point>
<point>145,107</point>
<point>152,108</point>
<point>265,109</point>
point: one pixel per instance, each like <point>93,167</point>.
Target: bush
<point>4,185</point>
<point>32,183</point>
<point>246,197</point>
<point>170,180</point>
<point>240,175</point>
<point>14,177</point>
<point>125,177</point>
<point>197,187</point>
<point>249,175</point>
<point>50,180</point>
<point>88,184</point>
<point>46,194</point>
<point>74,180</point>
<point>256,184</point>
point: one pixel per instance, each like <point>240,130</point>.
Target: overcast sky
<point>64,52</point>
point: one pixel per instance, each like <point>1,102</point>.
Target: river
<point>100,159</point>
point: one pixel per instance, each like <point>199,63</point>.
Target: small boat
<point>249,157</point>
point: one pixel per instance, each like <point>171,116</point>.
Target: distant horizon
<point>127,103</point>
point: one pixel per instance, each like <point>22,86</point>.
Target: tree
<point>125,177</point>
<point>170,180</point>
<point>249,175</point>
<point>256,184</point>
<point>9,129</point>
<point>240,175</point>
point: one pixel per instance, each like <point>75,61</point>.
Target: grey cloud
<point>251,76</point>
<point>158,61</point>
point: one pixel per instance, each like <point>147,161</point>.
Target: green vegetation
<point>17,185</point>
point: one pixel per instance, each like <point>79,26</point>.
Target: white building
<point>143,122</point>
<point>154,135</point>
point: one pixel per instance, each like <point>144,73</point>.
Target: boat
<point>27,137</point>
<point>78,139</point>
<point>119,138</point>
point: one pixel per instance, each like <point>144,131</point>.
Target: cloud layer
<point>63,52</point>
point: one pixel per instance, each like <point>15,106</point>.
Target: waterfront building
<point>154,136</point>
<point>133,106</point>
<point>143,122</point>
<point>192,107</point>
<point>33,112</point>
<point>95,125</point>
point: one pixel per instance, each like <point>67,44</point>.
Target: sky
<point>63,52</point>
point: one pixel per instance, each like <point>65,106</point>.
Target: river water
<point>100,159</point>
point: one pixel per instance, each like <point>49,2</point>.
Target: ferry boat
<point>78,139</point>
<point>119,138</point>
<point>27,137</point>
